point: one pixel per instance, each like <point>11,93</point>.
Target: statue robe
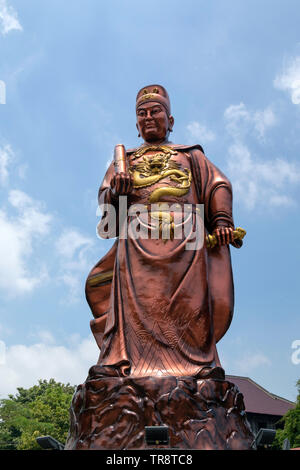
<point>165,307</point>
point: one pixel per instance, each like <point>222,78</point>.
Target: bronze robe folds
<point>159,308</point>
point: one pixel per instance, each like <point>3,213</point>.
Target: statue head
<point>153,113</point>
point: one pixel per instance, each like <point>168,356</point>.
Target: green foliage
<point>37,411</point>
<point>291,429</point>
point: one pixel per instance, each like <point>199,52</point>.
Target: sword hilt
<point>238,234</point>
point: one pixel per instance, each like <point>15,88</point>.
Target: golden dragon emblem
<point>154,168</point>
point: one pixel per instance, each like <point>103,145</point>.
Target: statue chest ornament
<point>156,167</point>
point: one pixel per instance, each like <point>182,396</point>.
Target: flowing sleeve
<point>214,191</point>
<point>220,205</point>
<point>219,197</point>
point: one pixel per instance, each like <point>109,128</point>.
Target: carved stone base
<point>112,412</point>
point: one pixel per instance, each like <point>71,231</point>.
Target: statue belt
<point>164,208</point>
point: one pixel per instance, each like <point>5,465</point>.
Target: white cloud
<point>5,330</point>
<point>74,250</point>
<point>236,115</point>
<point>72,242</point>
<point>262,120</point>
<point>289,80</point>
<point>18,235</point>
<point>22,170</point>
<point>6,157</point>
<point>199,132</point>
<point>240,121</point>
<point>8,18</point>
<point>25,365</point>
<point>45,337</point>
<point>32,220</point>
<point>2,353</point>
<point>258,183</point>
<point>249,362</point>
<point>72,280</point>
<point>24,225</point>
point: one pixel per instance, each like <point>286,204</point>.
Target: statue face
<point>153,122</point>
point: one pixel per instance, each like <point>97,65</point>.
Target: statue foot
<point>99,371</point>
<point>211,373</point>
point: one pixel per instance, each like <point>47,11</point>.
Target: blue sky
<point>72,70</point>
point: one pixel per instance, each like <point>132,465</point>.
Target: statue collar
<point>167,144</point>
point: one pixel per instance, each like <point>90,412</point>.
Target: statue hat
<point>156,93</point>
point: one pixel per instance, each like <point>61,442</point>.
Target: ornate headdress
<point>156,93</point>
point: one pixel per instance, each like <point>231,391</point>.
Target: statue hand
<point>121,184</point>
<point>224,235</point>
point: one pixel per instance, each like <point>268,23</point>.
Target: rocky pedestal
<point>112,412</point>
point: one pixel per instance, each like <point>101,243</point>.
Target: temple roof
<point>259,400</point>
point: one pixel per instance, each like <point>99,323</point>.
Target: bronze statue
<point>170,305</point>
<point>160,307</point>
